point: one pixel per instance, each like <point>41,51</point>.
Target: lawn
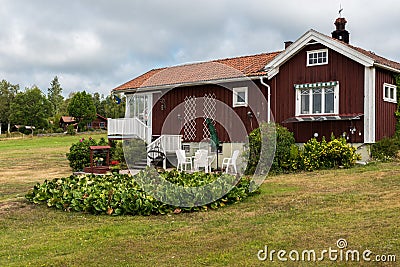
<point>304,211</point>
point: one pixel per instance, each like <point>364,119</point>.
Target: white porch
<point>129,128</point>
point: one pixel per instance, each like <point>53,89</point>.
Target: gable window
<point>240,97</point>
<point>317,98</point>
<point>390,93</point>
<point>317,57</point>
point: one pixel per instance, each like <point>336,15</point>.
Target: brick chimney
<point>288,43</point>
<point>341,33</point>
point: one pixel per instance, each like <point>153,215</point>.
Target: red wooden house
<point>99,122</point>
<point>316,86</point>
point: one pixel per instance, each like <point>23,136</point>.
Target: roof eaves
<point>383,66</point>
<point>202,82</point>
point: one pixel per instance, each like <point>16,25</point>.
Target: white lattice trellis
<point>189,130</point>
<point>209,110</point>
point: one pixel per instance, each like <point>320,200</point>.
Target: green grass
<point>29,160</point>
<point>298,211</point>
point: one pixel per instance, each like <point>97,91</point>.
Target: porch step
<point>172,161</point>
<point>140,165</point>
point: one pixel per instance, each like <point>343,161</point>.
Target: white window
<point>389,93</point>
<point>317,99</point>
<point>317,57</point>
<point>140,106</point>
<point>240,97</point>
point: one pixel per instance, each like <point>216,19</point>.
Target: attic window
<point>389,93</point>
<point>240,97</point>
<point>317,57</point>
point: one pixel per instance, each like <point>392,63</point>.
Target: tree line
<point>31,107</point>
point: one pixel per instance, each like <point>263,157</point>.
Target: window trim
<point>316,52</point>
<point>389,99</point>
<point>235,92</point>
<point>311,87</point>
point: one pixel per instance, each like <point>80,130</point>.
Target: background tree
<point>31,107</point>
<point>100,104</point>
<point>82,108</point>
<point>64,107</point>
<point>8,92</point>
<point>113,109</point>
<point>55,97</point>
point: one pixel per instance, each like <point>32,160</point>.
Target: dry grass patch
<point>297,211</point>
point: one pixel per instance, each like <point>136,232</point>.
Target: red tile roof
<point>378,59</point>
<point>221,69</point>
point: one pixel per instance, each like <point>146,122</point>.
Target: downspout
<point>268,98</point>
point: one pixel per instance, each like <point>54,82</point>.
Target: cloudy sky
<point>96,45</point>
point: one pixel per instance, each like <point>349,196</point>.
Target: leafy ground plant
<point>122,195</point>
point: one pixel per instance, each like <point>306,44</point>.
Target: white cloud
<point>98,45</point>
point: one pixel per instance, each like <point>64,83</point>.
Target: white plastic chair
<point>183,160</point>
<point>231,161</point>
<point>211,159</point>
<point>201,160</point>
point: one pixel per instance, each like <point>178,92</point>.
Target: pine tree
<point>55,97</point>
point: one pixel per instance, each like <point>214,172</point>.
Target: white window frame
<point>246,96</point>
<point>335,99</point>
<point>313,52</point>
<point>390,99</point>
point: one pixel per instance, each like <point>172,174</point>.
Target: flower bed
<point>122,195</point>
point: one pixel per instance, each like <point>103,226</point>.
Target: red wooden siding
<point>347,72</point>
<point>99,123</point>
<point>385,118</point>
<point>229,120</point>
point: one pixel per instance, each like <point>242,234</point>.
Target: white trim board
<point>272,68</point>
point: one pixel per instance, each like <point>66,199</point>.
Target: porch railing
<point>128,127</point>
<point>165,144</point>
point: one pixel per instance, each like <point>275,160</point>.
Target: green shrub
<point>59,130</point>
<point>317,155</point>
<point>122,195</point>
<point>283,147</point>
<point>314,155</point>
<point>79,153</point>
<point>386,149</point>
<point>71,130</point>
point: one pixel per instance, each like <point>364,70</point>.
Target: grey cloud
<point>97,45</point>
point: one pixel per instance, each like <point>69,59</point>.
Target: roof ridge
<point>215,60</point>
<point>246,56</point>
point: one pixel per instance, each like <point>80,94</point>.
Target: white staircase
<point>165,144</point>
